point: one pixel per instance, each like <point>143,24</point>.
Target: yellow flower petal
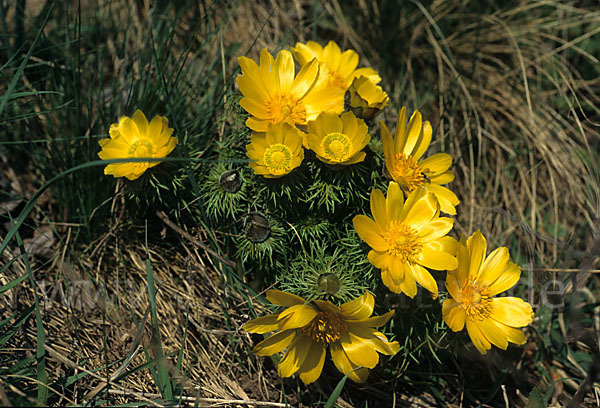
<point>388,147</point>
<point>447,199</point>
<point>477,247</point>
<point>268,73</point>
<point>453,285</point>
<point>258,141</point>
<point>494,333</point>
<point>436,164</point>
<point>420,212</point>
<point>262,324</point>
<point>453,314</point>
<point>128,130</point>
<point>477,337</point>
<point>275,343</point>
<point>507,280</point>
<point>389,348</point>
<point>141,122</point>
<point>443,178</point>
<point>514,335</point>
<point>113,131</point>
<point>255,108</point>
<point>312,367</point>
<point>296,316</point>
<point>304,53</point>
<point>424,141</point>
<point>368,73</point>
<point>345,366</point>
<point>493,266</point>
<point>331,122</point>
<point>388,280</point>
<point>375,321</point>
<point>462,256</point>
<point>285,65</point>
<point>368,231</point>
<point>134,175</point>
<point>395,202</point>
<point>511,311</point>
<point>332,55</point>
<point>438,260</point>
<point>398,268</point>
<point>294,356</point>
<point>359,308</point>
<point>121,170</point>
<point>446,244</point>
<point>408,283</point>
<point>249,69</point>
<point>350,123</point>
<point>381,260</point>
<point>305,79</point>
<point>400,139</point>
<point>376,339</point>
<point>165,150</point>
<point>251,89</point>
<point>414,131</point>
<point>155,127</point>
<point>360,352</point>
<point>424,278</point>
<point>328,99</point>
<point>348,63</point>
<point>280,298</point>
<point>413,199</point>
<point>378,207</point>
<point>257,125</point>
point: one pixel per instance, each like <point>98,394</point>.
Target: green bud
<point>328,283</point>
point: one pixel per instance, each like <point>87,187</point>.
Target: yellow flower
<point>472,287</point>
<point>406,238</point>
<point>403,160</point>
<point>135,137</point>
<point>338,68</point>
<point>276,152</point>
<point>338,140</point>
<point>272,94</point>
<point>365,98</point>
<point>306,329</point>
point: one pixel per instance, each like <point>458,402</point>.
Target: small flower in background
<point>136,138</point>
<point>276,152</point>
<point>472,287</point>
<point>338,140</point>
<point>274,94</point>
<point>365,98</point>
<point>306,329</point>
<point>406,238</point>
<point>403,154</point>
<point>337,68</point>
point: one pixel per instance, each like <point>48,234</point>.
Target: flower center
<point>278,158</point>
<point>139,149</point>
<point>282,107</point>
<point>336,147</point>
<point>476,300</point>
<point>326,327</point>
<point>407,172</point>
<point>336,79</point>
<point>403,241</point>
